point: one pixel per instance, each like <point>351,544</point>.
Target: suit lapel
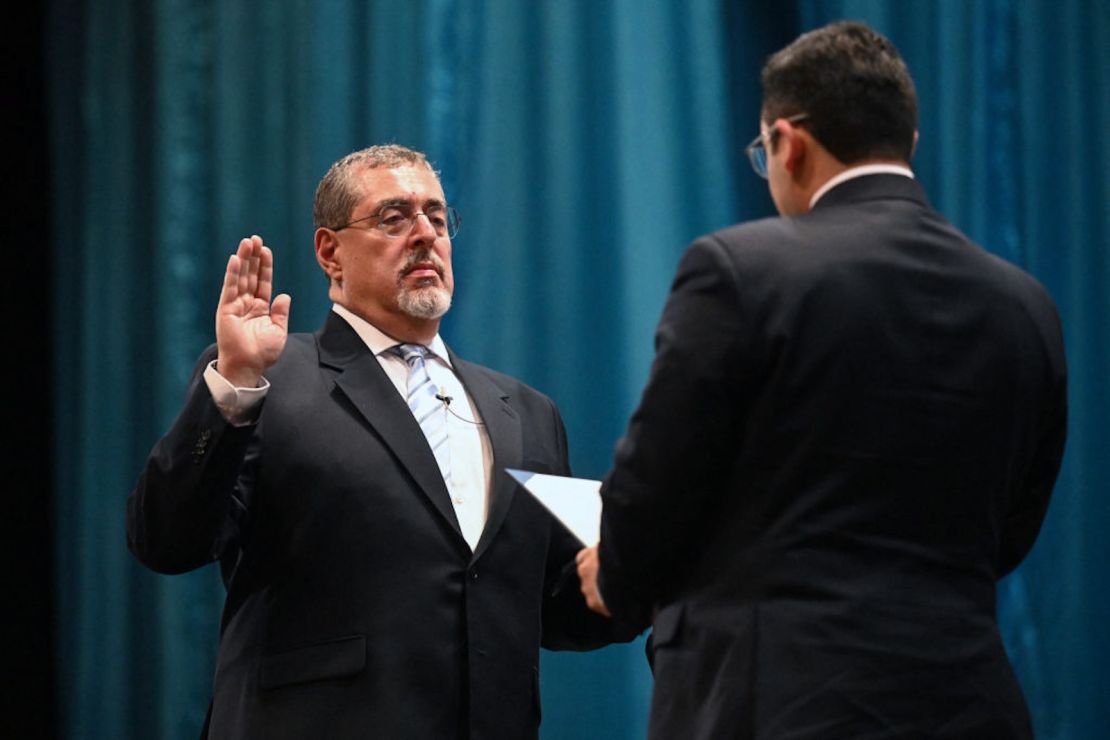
<point>503,427</point>
<point>365,384</point>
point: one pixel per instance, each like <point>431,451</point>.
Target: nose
<point>422,229</point>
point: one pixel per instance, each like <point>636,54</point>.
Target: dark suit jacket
<point>355,608</point>
<point>851,430</point>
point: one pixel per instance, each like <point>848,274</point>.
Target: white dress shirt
<point>471,455</point>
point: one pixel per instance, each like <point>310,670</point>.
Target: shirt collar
<point>378,341</point>
<point>854,172</point>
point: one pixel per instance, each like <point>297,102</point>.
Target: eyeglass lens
<point>758,156</point>
<point>398,221</point>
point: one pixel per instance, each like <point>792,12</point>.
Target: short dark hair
<point>854,87</point>
<point>337,195</point>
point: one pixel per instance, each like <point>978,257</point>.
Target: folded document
<point>576,502</point>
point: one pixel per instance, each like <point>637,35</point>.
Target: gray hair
<point>337,194</point>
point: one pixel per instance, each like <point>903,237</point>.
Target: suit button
<point>473,575</point>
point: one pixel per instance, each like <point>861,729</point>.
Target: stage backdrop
<point>585,144</point>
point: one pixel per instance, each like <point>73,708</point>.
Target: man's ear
<point>792,138</point>
<point>913,149</point>
<point>326,244</point>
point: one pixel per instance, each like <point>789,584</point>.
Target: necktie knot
<point>410,353</point>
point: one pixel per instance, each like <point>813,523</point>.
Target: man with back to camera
<point>851,430</point>
<point>384,578</point>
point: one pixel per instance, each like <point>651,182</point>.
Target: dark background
<point>29,662</point>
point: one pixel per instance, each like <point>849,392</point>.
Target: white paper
<point>576,502</point>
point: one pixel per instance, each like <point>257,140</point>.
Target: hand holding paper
<point>588,566</point>
<point>576,503</point>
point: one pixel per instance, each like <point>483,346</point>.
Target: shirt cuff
<point>240,406</point>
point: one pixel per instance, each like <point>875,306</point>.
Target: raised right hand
<point>250,332</point>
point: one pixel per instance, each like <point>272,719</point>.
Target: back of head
<point>338,194</point>
<point>854,87</point>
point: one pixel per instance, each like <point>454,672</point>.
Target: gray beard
<point>424,303</point>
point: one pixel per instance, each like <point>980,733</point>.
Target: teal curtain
<point>585,145</point>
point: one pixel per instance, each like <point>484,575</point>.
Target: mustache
<point>416,258</point>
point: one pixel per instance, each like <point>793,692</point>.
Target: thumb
<point>279,311</point>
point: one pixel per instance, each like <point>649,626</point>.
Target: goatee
<point>427,302</point>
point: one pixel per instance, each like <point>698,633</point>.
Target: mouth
<point>423,270</point>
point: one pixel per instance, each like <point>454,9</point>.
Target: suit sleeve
<point>1023,522</point>
<point>188,501</point>
<point>668,463</point>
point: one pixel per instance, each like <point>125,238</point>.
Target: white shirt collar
<point>854,172</point>
<point>378,341</point>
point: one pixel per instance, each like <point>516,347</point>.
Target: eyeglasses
<point>757,150</point>
<point>397,220</point>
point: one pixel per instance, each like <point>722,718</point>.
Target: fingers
<point>248,265</point>
<point>254,269</point>
<point>597,605</point>
<point>230,290</point>
<point>250,272</point>
<point>234,285</point>
<point>265,286</point>
<point>243,260</point>
<point>587,566</point>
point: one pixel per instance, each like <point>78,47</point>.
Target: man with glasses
<point>384,577</point>
<point>851,431</point>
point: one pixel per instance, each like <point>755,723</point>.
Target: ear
<point>913,149</point>
<point>327,244</point>
<point>793,138</point>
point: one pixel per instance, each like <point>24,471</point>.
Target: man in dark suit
<point>384,577</point>
<point>851,430</point>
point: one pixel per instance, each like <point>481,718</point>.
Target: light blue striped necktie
<point>430,412</point>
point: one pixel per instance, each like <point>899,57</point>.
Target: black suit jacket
<point>851,430</point>
<point>355,608</point>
